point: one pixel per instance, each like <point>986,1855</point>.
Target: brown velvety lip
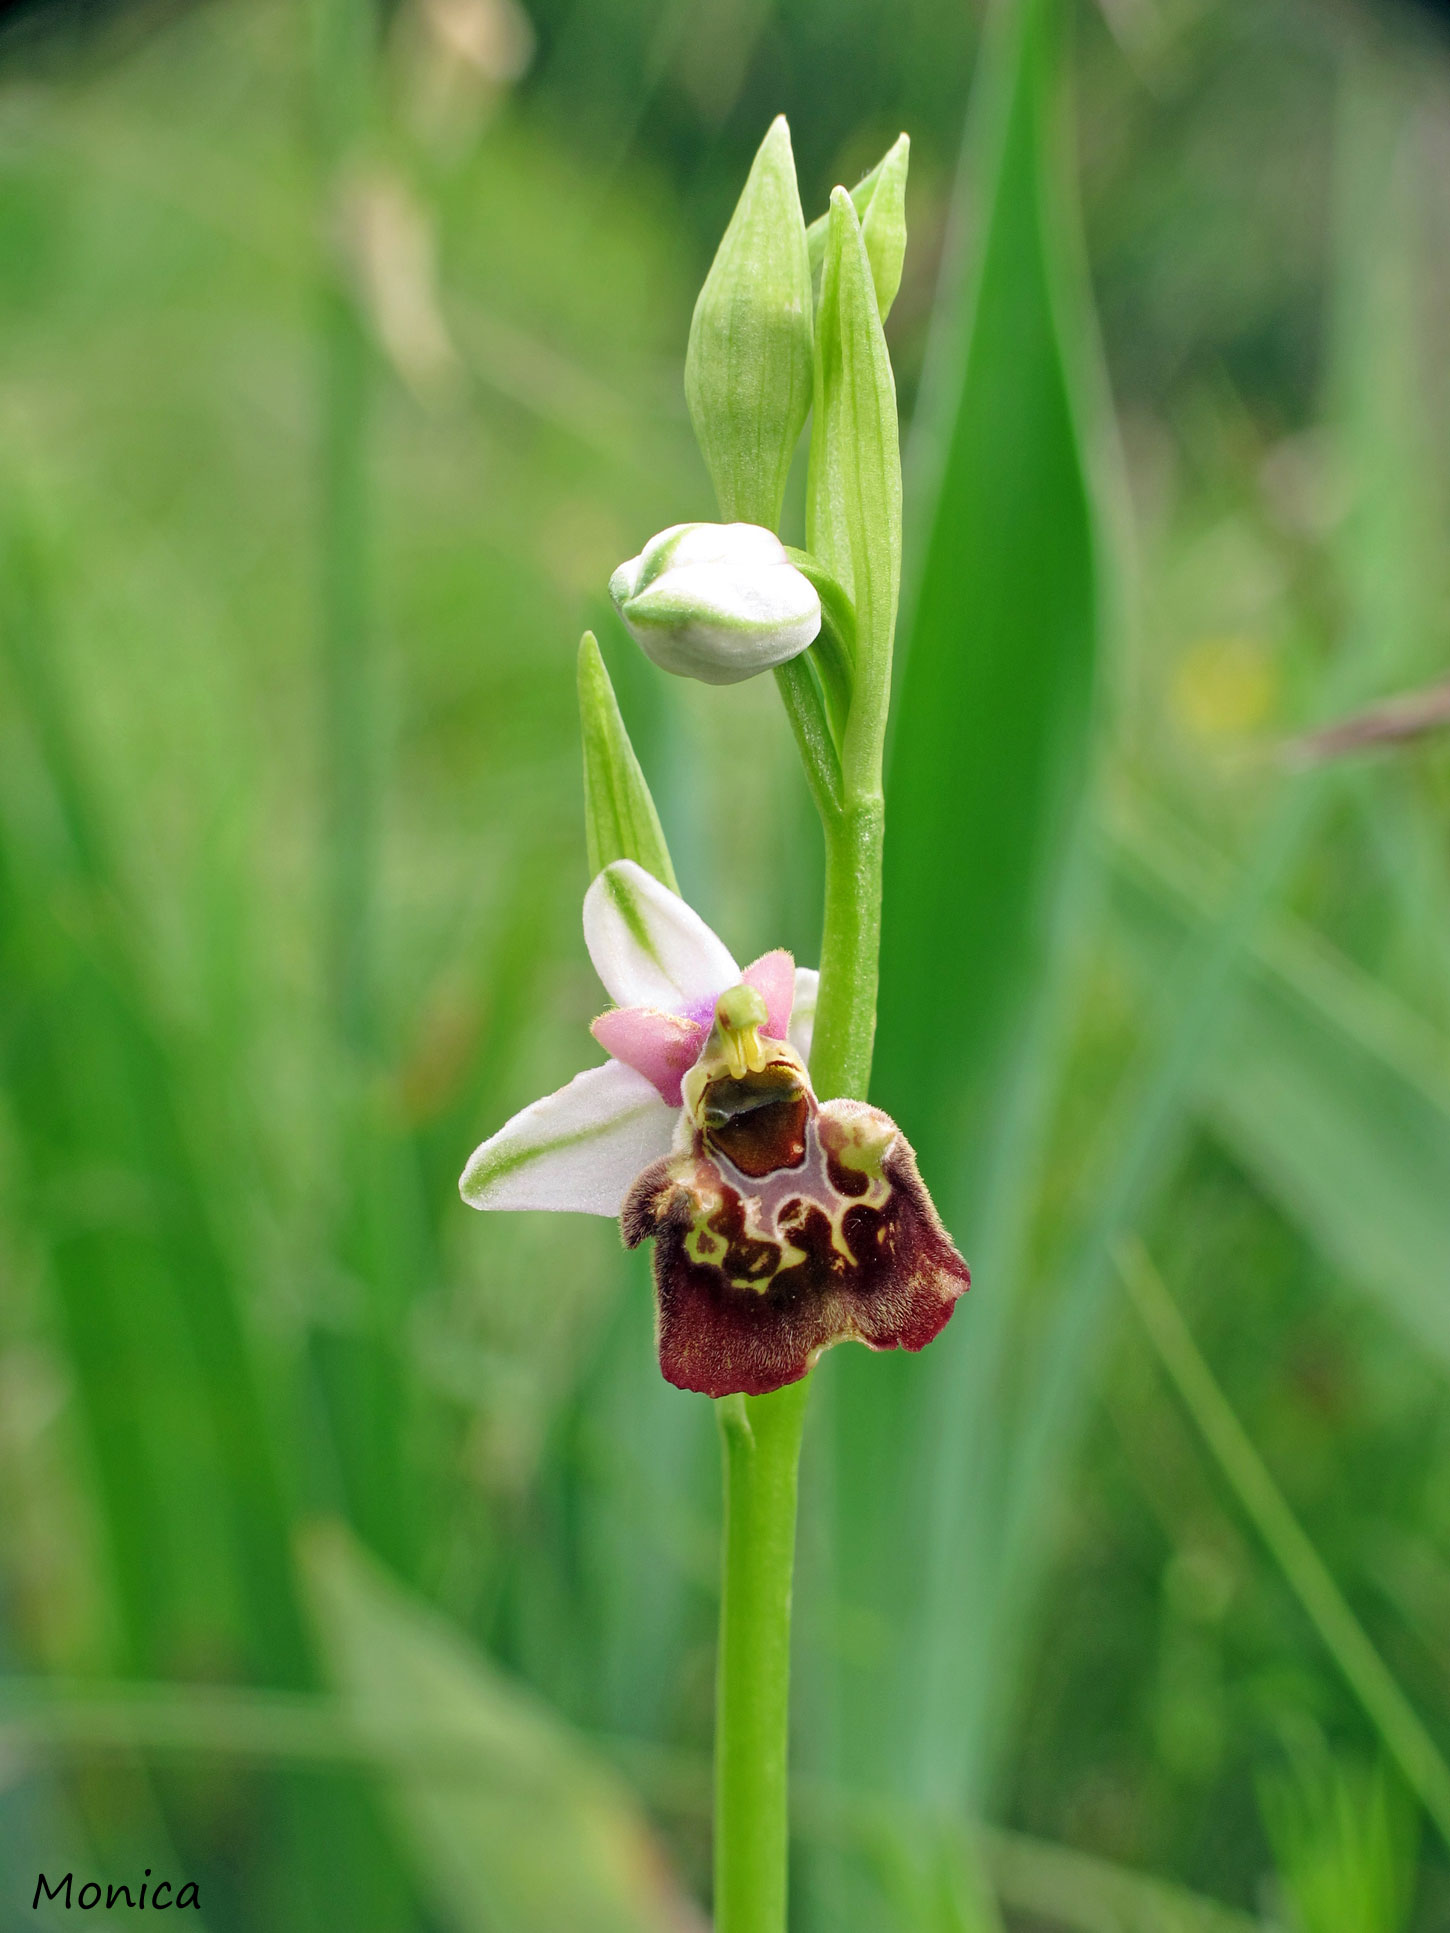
<point>753,1283</point>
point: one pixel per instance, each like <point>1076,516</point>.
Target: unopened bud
<point>748,367</point>
<point>718,602</point>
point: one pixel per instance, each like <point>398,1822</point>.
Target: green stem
<point>850,945</point>
<point>761,1439</point>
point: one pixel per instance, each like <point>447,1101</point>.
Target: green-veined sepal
<point>577,1150</point>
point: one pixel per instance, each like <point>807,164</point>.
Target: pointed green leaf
<point>620,821</point>
<point>748,366</point>
<point>988,766</point>
<point>880,201</point>
<point>1179,1044</point>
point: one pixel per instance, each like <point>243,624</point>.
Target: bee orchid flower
<point>781,1224</point>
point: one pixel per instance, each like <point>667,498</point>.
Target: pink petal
<point>661,1046</point>
<point>773,975</point>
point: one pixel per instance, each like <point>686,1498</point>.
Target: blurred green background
<point>355,1563</point>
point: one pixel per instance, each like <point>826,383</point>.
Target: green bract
<point>620,820</point>
<point>748,366</point>
<point>853,490</point>
<point>880,201</point>
<point>718,602</point>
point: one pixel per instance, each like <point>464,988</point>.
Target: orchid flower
<point>781,1224</point>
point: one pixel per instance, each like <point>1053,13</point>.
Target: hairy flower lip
<point>750,1296</point>
<point>717,602</point>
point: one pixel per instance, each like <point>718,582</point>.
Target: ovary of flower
<point>718,602</point>
<point>781,1225</point>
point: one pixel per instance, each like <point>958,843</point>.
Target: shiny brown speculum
<point>759,1121</point>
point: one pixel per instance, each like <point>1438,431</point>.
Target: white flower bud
<point>718,602</point>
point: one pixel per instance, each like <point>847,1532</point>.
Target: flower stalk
<point>729,1126</point>
<point>850,946</point>
<point>854,534</point>
<point>761,1440</point>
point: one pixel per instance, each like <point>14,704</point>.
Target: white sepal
<point>649,948</point>
<point>578,1149</point>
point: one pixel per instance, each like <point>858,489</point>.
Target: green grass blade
<point>344,54</point>
<point>1147,1122</point>
<point>65,1720</point>
<point>644,1486</point>
<point>1081,1894</point>
<point>185,1443</point>
<point>91,1081</point>
<point>1391,1713</point>
<point>363,1372</point>
<point>996,691</point>
<point>1344,1842</point>
<point>1334,1096</point>
<point>556,1841</point>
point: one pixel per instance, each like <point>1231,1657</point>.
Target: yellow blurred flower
<point>1224,687</point>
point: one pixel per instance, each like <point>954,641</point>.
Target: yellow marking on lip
<point>703,1244</point>
<point>787,1255</point>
